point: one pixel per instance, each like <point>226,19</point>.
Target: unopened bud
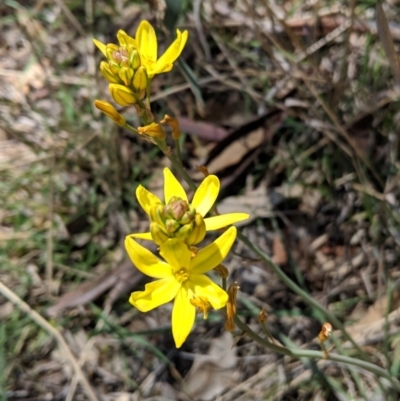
<point>122,95</point>
<point>199,230</point>
<point>121,57</point>
<point>177,209</point>
<point>135,60</point>
<point>108,74</point>
<point>158,234</point>
<point>126,75</point>
<point>171,226</point>
<point>140,79</point>
<point>184,232</point>
<point>109,110</point>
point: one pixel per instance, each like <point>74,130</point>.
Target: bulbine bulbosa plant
<point>178,224</point>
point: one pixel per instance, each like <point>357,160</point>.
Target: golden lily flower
<point>152,130</point>
<point>193,213</point>
<point>146,44</point>
<point>182,278</point>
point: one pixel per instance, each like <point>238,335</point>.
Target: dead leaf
<point>234,153</point>
<point>213,373</point>
<point>120,280</point>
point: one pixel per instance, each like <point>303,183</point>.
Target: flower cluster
<point>177,225</point>
<point>132,64</point>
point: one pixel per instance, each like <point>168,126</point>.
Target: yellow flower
<point>181,278</point>
<point>185,214</point>
<point>146,44</point>
<point>152,130</point>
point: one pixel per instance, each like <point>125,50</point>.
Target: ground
<point>294,106</point>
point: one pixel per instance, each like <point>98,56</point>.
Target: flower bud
<point>174,123</point>
<point>171,226</point>
<point>122,95</point>
<point>126,75</point>
<point>140,79</point>
<point>153,130</point>
<point>184,232</point>
<point>188,216</point>
<point>108,74</point>
<point>134,59</point>
<point>176,209</point>
<point>158,234</point>
<point>121,57</point>
<point>199,230</point>
<point>109,110</point>
<point>157,214</point>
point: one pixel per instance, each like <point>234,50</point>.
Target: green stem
<point>178,165</point>
<point>300,353</point>
<point>178,151</point>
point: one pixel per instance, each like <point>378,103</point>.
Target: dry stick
<point>45,325</point>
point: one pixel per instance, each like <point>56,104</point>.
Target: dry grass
<point>294,105</point>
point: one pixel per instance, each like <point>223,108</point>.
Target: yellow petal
<point>146,198</point>
<point>101,46</point>
<point>217,222</point>
<point>202,286</point>
<point>146,41</point>
<point>145,261</point>
<point>183,315</point>
<point>176,253</point>
<point>124,39</point>
<point>155,294</point>
<point>142,236</point>
<point>172,187</point>
<point>206,195</point>
<point>212,255</point>
<point>172,53</point>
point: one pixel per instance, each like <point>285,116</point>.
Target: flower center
<point>181,275</point>
<point>121,56</point>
